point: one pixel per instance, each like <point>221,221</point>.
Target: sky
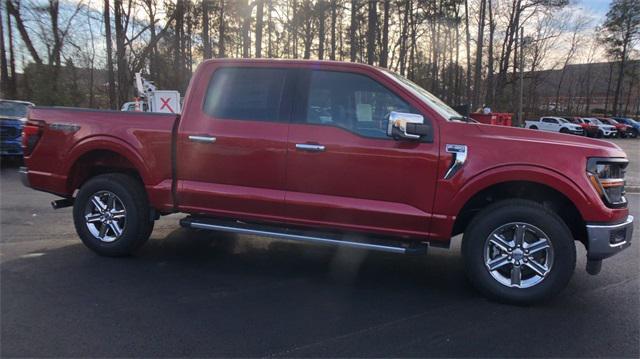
<point>598,8</point>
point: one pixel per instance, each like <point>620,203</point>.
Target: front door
<point>232,146</point>
<point>342,168</point>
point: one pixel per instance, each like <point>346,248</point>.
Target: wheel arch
<point>102,155</point>
<point>549,188</point>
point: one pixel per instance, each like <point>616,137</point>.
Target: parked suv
<point>555,124</point>
<point>635,125</point>
<point>338,154</point>
<point>12,116</point>
<point>604,129</point>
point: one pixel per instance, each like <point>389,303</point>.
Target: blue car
<point>12,117</point>
<point>630,122</point>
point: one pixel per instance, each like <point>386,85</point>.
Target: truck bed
<point>71,138</point>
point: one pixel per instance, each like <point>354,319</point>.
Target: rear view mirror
<point>409,126</point>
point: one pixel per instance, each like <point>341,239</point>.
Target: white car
<point>555,124</point>
<point>604,130</point>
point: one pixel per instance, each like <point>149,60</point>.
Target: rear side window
<point>246,94</point>
<point>351,101</point>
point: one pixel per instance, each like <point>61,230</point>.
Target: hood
<point>11,120</point>
<point>526,138</point>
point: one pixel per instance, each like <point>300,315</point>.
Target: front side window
<point>246,94</point>
<point>353,102</point>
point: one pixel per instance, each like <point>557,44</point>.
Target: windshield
<point>596,121</point>
<point>562,120</point>
<point>426,96</point>
<point>13,109</point>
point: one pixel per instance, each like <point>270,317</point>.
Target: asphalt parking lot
<point>190,293</point>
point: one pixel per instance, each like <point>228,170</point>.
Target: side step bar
<point>295,235</point>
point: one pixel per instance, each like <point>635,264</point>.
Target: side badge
<point>459,158</point>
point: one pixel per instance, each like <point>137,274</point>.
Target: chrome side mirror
<point>408,126</point>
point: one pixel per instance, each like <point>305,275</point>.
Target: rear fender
<point>107,143</point>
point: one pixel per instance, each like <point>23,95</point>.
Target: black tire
<point>600,134</point>
<point>533,127</point>
<point>132,196</point>
<point>520,211</point>
<point>564,130</point>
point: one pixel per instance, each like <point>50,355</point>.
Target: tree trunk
<point>352,30</point>
<point>121,60</point>
<point>490,95</point>
<point>206,41</point>
<point>606,99</point>
<point>4,68</point>
<point>479,44</point>
<point>13,85</point>
<point>403,38</point>
<point>269,29</point>
<point>321,6</point>
<point>24,34</point>
<point>221,29</point>
<point>384,51</point>
<point>371,32</point>
<point>259,24</point>
<point>468,48</point>
<point>616,95</point>
<point>246,24</point>
<point>109,46</point>
<point>334,16</point>
<point>294,28</point>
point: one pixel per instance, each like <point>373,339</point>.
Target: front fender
<point>454,194</point>
<point>525,173</point>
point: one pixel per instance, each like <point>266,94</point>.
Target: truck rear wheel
<point>519,252</point>
<point>111,214</point>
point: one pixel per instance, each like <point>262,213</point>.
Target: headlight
<point>607,177</point>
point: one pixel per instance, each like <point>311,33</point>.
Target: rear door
<point>342,168</point>
<point>232,142</point>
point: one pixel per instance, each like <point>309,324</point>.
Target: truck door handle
<point>202,139</point>
<point>309,147</point>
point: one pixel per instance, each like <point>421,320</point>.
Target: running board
<point>295,235</point>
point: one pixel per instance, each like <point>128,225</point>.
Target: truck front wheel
<point>111,214</point>
<point>519,252</point>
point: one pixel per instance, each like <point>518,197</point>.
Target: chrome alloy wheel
<point>518,255</point>
<point>105,216</point>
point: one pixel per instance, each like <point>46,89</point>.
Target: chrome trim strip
<point>459,158</point>
<point>64,127</point>
<point>297,237</point>
<point>309,147</point>
<point>202,139</point>
<point>612,226</point>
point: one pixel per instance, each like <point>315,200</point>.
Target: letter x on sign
<point>165,103</point>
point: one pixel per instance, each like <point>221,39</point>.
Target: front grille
<point>9,132</point>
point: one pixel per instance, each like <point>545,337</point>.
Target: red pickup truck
<point>340,154</point>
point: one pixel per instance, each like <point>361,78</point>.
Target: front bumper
<point>606,240</point>
<point>24,176</point>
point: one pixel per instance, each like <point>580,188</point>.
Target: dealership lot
<point>190,293</point>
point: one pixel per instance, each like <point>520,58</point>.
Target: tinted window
<point>13,109</point>
<point>549,120</point>
<point>353,102</point>
<point>246,94</point>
